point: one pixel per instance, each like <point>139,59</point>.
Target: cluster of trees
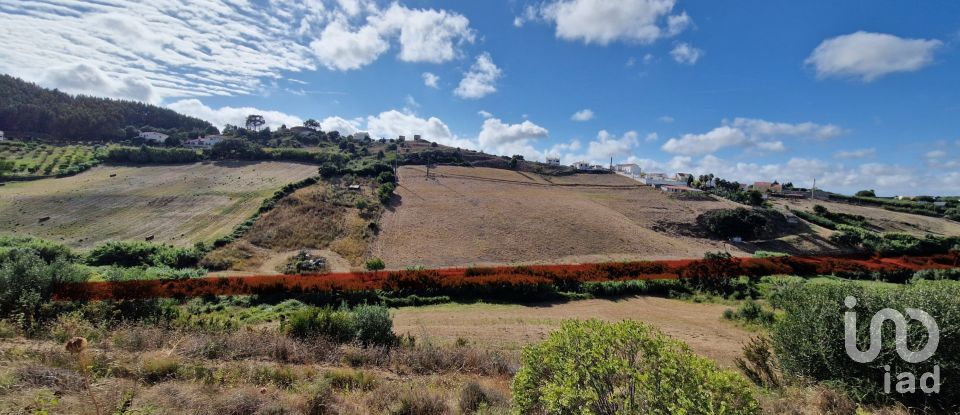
<point>27,108</point>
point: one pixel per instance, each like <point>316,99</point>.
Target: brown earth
<point>510,327</point>
<point>464,216</point>
<point>177,204</point>
<point>884,220</point>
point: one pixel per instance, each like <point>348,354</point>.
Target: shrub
<point>373,325</point>
<point>809,339</point>
<point>27,282</point>
<point>385,192</point>
<point>627,367</point>
<point>729,223</point>
<point>750,312</point>
<point>366,324</point>
<point>157,366</point>
<point>474,397</point>
<point>375,264</point>
<point>139,253</point>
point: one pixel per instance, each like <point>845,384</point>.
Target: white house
<point>154,137</point>
<point>205,143</point>
<point>553,161</point>
<point>678,189</point>
<point>659,179</point>
<point>581,165</point>
<point>630,169</point>
<point>1,136</point>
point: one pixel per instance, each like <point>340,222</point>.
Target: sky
<point>855,94</point>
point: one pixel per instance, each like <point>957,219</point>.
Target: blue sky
<point>854,94</point>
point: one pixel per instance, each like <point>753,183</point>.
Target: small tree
<point>866,193</point>
<point>375,264</point>
<point>254,121</point>
<point>312,124</point>
<point>593,367</point>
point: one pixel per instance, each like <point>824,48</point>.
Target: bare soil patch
<point>463,216</point>
<point>885,220</point>
<point>701,326</point>
<point>176,204</point>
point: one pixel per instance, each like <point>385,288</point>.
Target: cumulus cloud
<point>171,48</point>
<point>484,114</point>
<point>232,115</point>
<point>666,119</point>
<point>430,80</point>
<point>605,21</point>
<point>480,80</point>
<point>495,132</point>
<point>341,125</point>
<point>341,49</point>
<point>582,115</point>
<point>686,54</point>
<point>869,56</point>
<point>855,154</point>
<point>753,133</point>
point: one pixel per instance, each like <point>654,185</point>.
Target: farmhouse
<point>767,187</point>
<point>679,189</point>
<point>205,143</point>
<point>659,179</point>
<point>553,161</point>
<point>630,169</point>
<point>581,165</point>
<point>1,136</point>
<point>153,137</point>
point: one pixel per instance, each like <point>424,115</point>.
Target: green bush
<point>385,192</point>
<point>728,223</point>
<point>375,264</point>
<point>139,253</point>
<point>46,250</point>
<point>592,367</point>
<point>368,325</point>
<point>750,312</point>
<point>809,339</point>
<point>27,282</point>
<point>373,325</point>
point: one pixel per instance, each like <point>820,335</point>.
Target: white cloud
<point>425,35</point>
<point>341,49</point>
<point>748,132</point>
<point>232,115</point>
<point>87,79</point>
<point>484,114</point>
<point>170,48</point>
<point>869,56</point>
<point>631,61</point>
<point>341,125</point>
<point>582,115</point>
<point>607,145</point>
<point>480,80</point>
<point>649,58</point>
<point>496,133</point>
<point>666,119</point>
<point>606,21</point>
<point>430,80</point>
<point>686,54</point>
<point>855,154</point>
<point>651,137</point>
<point>935,154</point>
<point>706,143</point>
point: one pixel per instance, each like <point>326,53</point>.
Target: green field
<point>35,159</point>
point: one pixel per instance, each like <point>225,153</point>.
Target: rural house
<point>679,189</point>
<point>630,169</point>
<point>581,165</point>
<point>153,137</point>
<point>767,187</point>
<point>1,136</point>
<point>553,161</point>
<point>205,143</point>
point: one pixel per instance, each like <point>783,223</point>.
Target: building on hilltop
<point>154,137</point>
<point>630,169</point>
<point>553,161</point>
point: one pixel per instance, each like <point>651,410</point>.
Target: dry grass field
<point>884,220</point>
<point>510,327</point>
<point>476,216</point>
<point>177,204</point>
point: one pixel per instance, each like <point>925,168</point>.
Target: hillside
<point>28,109</point>
<point>179,204</point>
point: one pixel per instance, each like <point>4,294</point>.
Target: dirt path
<point>512,326</point>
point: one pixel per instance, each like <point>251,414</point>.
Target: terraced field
<point>179,204</point>
<point>31,159</point>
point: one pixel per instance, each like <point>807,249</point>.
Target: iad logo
<point>906,381</point>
